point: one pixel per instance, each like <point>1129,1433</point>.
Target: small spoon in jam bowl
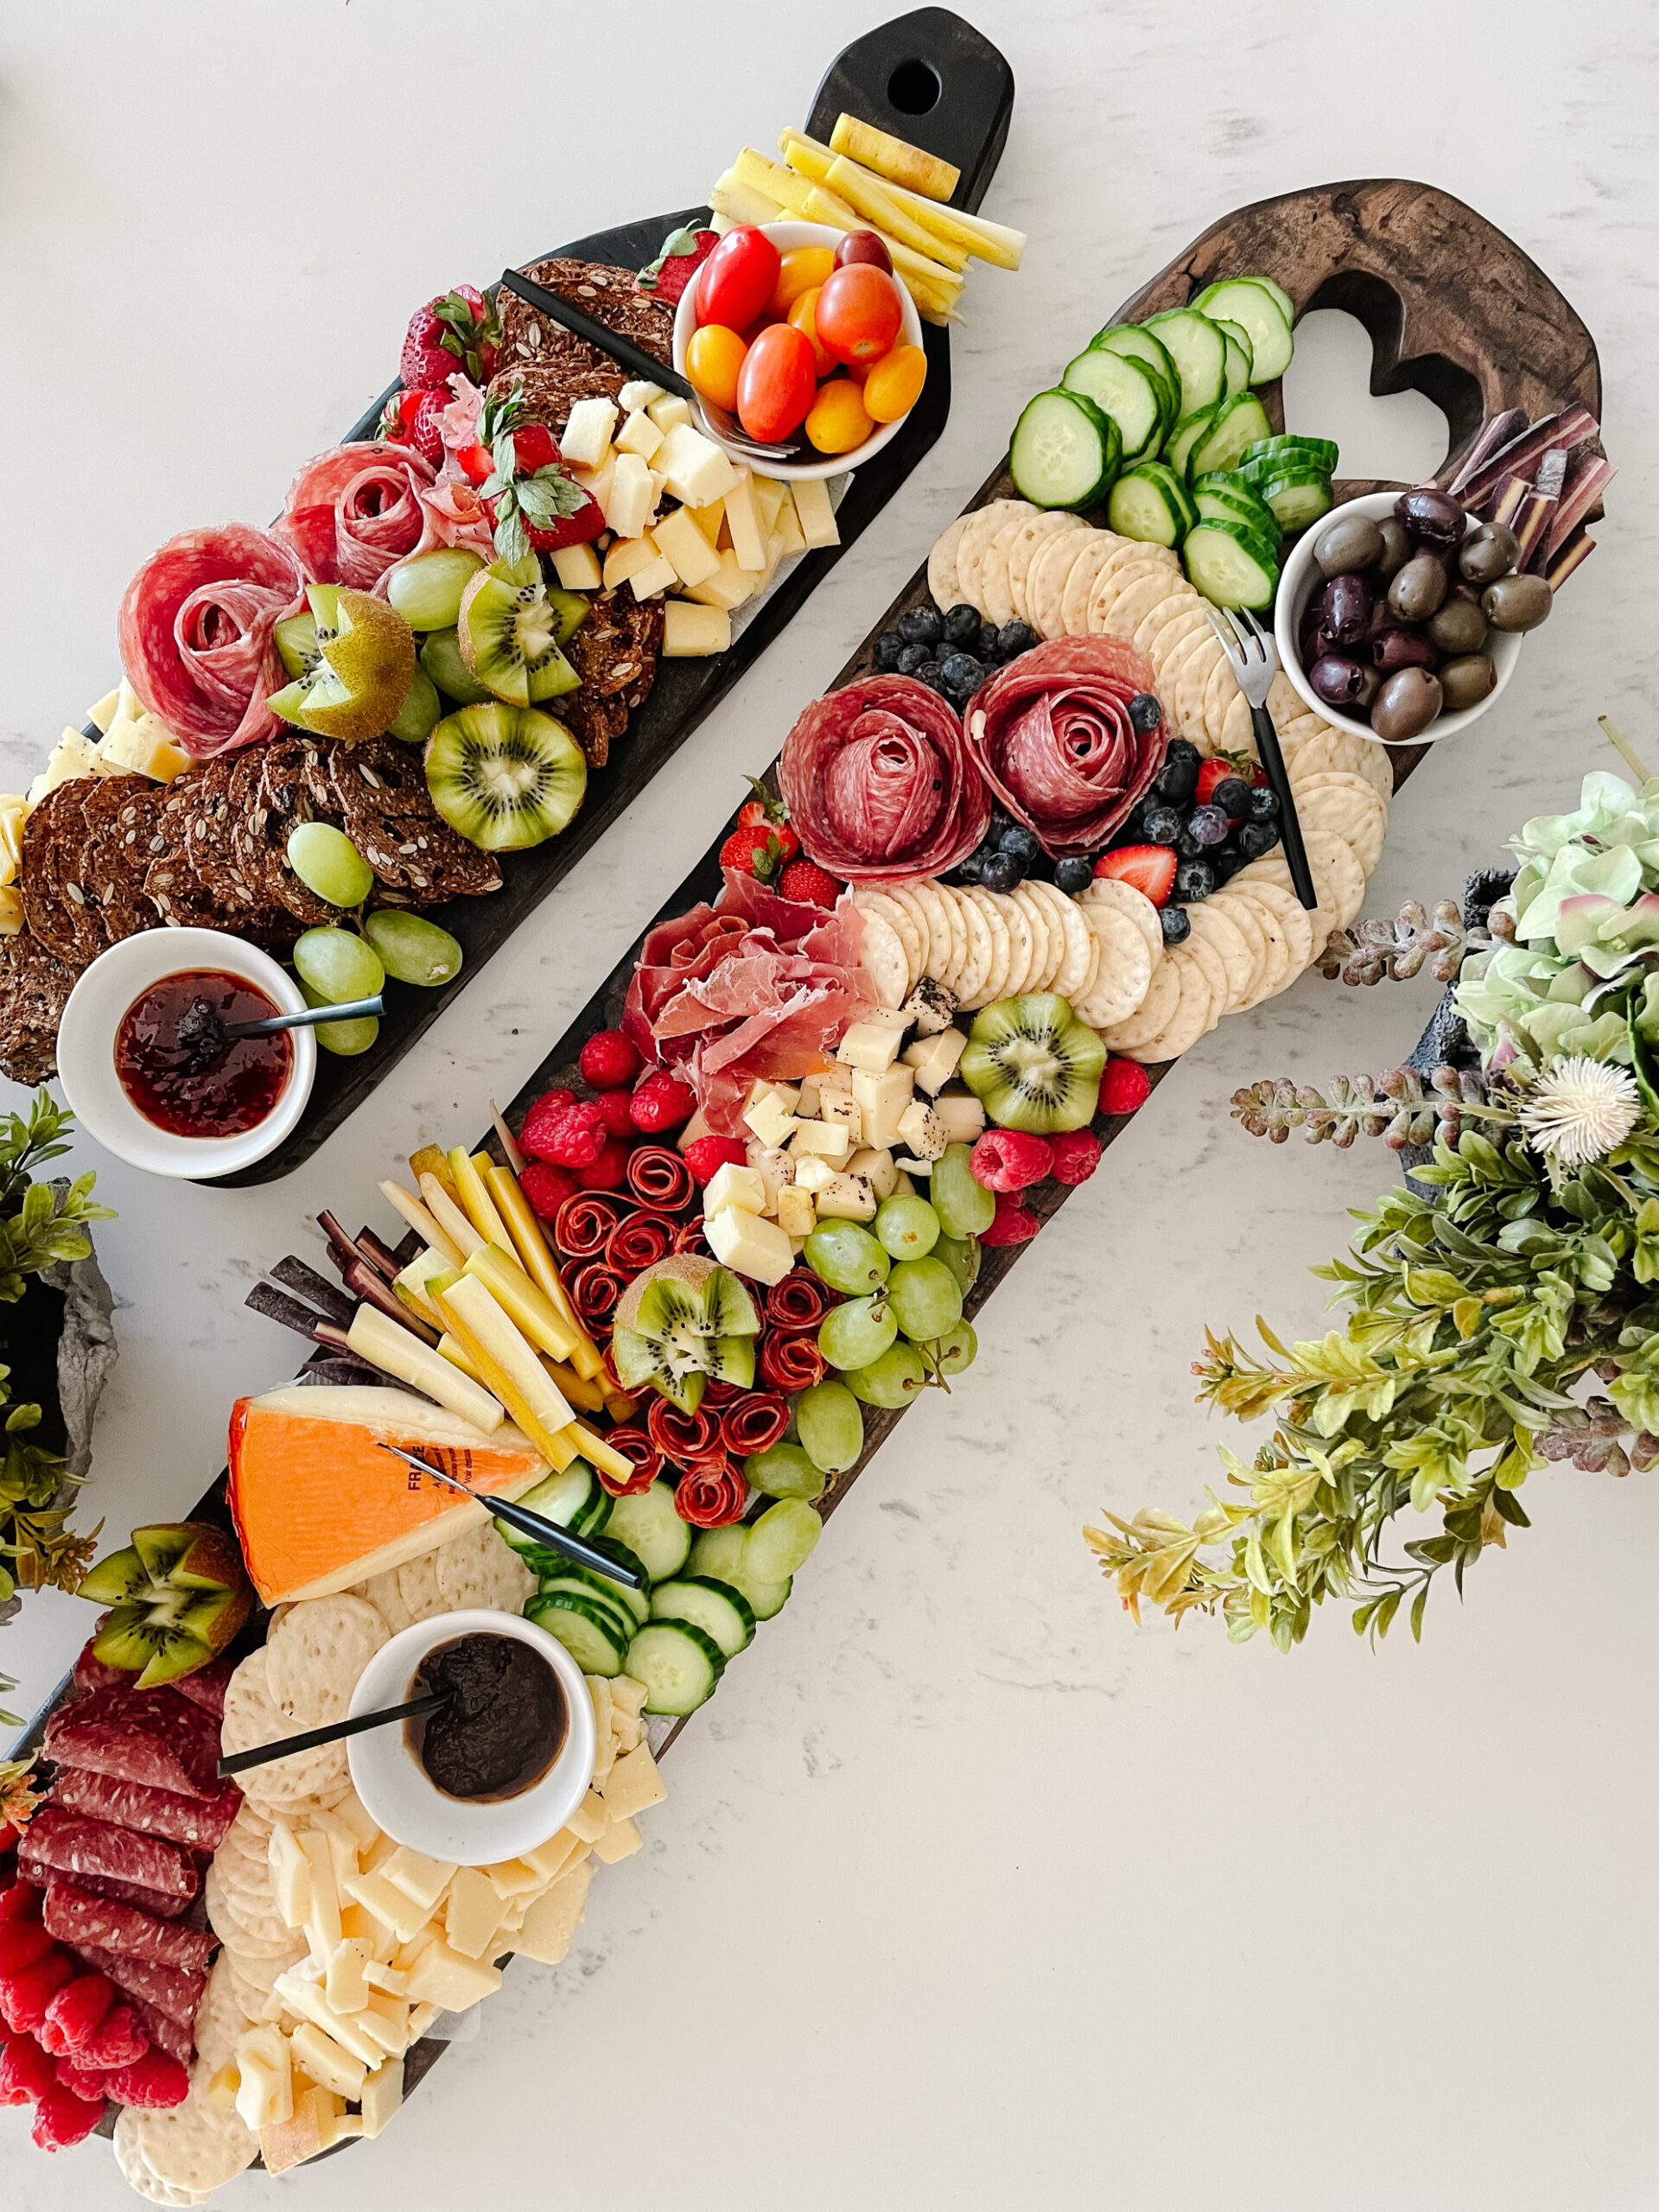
<point>203,1032</point>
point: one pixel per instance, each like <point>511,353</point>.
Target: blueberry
<point>1184,750</point>
<point>1072,875</point>
<point>1015,638</point>
<point>1176,927</point>
<point>930,674</point>
<point>999,872</point>
<point>967,871</point>
<point>962,675</point>
<point>1226,861</point>
<point>1194,880</point>
<point>1255,838</point>
<point>1145,713</point>
<point>1232,796</point>
<point>1000,825</point>
<point>888,646</point>
<point>987,646</point>
<point>1206,825</point>
<point>1134,831</point>
<point>1264,804</point>
<point>961,625</point>
<point>911,657</point>
<point>921,626</point>
<point>1176,780</point>
<point>1021,842</point>
<point>1188,846</point>
<point>1163,824</point>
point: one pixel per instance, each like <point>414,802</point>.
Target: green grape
<point>718,1553</point>
<point>957,1349</point>
<point>421,712</point>
<point>784,1471</point>
<point>440,658</point>
<point>907,1226</point>
<point>344,1038</point>
<point>924,1294</point>
<point>961,1256</point>
<point>327,862</point>
<point>412,948</point>
<point>893,1380</point>
<point>854,1334</point>
<point>847,1258</point>
<point>831,1426</point>
<point>338,965</point>
<point>781,1540</point>
<point>961,1200</point>
<point>426,589</point>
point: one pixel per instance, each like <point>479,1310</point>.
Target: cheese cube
<point>771,498</point>
<point>669,411</point>
<point>376,1852</point>
<point>961,1115</point>
<point>638,392</point>
<point>552,1921</point>
<point>695,633</point>
<point>678,538</point>
<point>696,469</point>
<point>784,536</point>
<point>731,1186</point>
<point>384,2020</point>
<point>638,434</point>
<point>762,1088</point>
<point>797,1216</point>
<point>550,1859</point>
<point>397,1912</point>
<point>708,519</point>
<point>342,1841</point>
<point>291,2142</point>
<point>143,746</point>
<point>382,2094</point>
<point>806,1106</point>
<point>830,1141</point>
<point>647,582</point>
<point>442,1976</point>
<point>345,1976</point>
<point>628,509</point>
<point>874,1164</point>
<point>743,520</point>
<point>586,438</point>
<point>329,2067</point>
<point>113,704</point>
<point>627,1695</point>
<point>882,1099</point>
<point>472,1912</point>
<point>589,1820</point>
<point>597,480</point>
<point>748,1244</point>
<point>291,1875</point>
<point>634,1787</point>
<point>696,1127</point>
<point>871,1046</point>
<point>847,1197</point>
<point>811,1174</point>
<point>770,1119</point>
<point>577,567</point>
<point>935,1058</point>
<point>920,1128</point>
<point>388,1979</point>
<point>620,1841</point>
<point>625,558</point>
<point>421,2017</point>
<point>630,1733</point>
<point>301,1997</point>
<point>265,2096</point>
<point>323,1928</point>
<point>729,589</point>
<point>776,1170</point>
<point>813,511</point>
<point>423,1879</point>
<point>842,1106</point>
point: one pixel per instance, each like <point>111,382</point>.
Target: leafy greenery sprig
<point>1401,947</point>
<point>1396,1106</point>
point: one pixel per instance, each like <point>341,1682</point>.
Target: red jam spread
<point>193,1089</point>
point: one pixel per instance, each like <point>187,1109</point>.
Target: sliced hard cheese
<point>552,1921</point>
<point>744,521</point>
<point>441,1976</point>
<point>729,589</point>
<point>472,1912</point>
<point>423,1880</point>
<point>395,1911</point>
<point>625,558</point>
<point>634,1786</point>
<point>695,633</point>
<point>383,2092</point>
<point>550,1859</point>
<point>345,1976</point>
<point>620,1841</point>
<point>645,583</point>
<point>815,514</point>
<point>328,2065</point>
<point>586,438</point>
<point>678,538</point>
<point>577,567</point>
<point>628,509</point>
<point>749,1245</point>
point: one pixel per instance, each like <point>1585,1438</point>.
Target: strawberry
<point>808,884</point>
<point>414,419</point>
<point>1148,868</point>
<point>763,807</point>
<point>532,499</point>
<point>457,329</point>
<point>1212,772</point>
<point>762,851</point>
<point>684,253</point>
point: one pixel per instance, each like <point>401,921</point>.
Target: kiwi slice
<point>1034,1064</point>
<point>364,668</point>
<point>504,777</point>
<point>178,1594</point>
<point>510,629</point>
<point>441,657</point>
<point>684,1322</point>
<point>300,638</point>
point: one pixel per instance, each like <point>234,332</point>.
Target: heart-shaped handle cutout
<point>1396,436</point>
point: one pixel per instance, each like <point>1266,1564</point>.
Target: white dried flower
<point>1581,1109</point>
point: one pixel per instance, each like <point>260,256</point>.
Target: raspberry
<point>62,2118</point>
<point>118,2041</point>
<point>544,1113</point>
<point>150,2082</point>
<point>1077,1156</point>
<point>25,1996</point>
<point>1013,1224</point>
<point>609,1060</point>
<point>20,1900</point>
<point>610,1170</point>
<point>546,1188</point>
<point>709,1155</point>
<point>22,1943</point>
<point>574,1138</point>
<point>26,2072</point>
<point>616,1107</point>
<point>808,884</point>
<point>1007,1160</point>
<point>1124,1086</point>
<point>75,2012</point>
<point>662,1102</point>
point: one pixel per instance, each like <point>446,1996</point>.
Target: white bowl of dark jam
<point>146,1097</point>
<point>503,1766</point>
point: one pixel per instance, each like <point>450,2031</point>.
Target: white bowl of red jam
<point>145,1093</point>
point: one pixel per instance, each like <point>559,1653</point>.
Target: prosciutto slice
<point>879,782</point>
<point>196,631</point>
<point>1053,738</point>
<point>357,511</point>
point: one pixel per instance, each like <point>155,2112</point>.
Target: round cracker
<point>1101,548</point>
<point>253,1717</point>
<point>255,1933</point>
<point>1023,956</point>
<point>1036,534</point>
<point>313,1660</point>
<point>941,945</point>
<point>995,595</point>
<point>1194,1015</point>
<point>1080,955</point>
<point>1124,975</point>
<point>1237,733</point>
<point>1295,923</point>
<point>1337,881</point>
<point>1051,564</point>
<point>417,1585</point>
<point>1115,579</point>
<point>941,582</point>
<point>996,976</point>
<point>1125,613</point>
<point>1220,690</point>
<point>1325,749</point>
<point>1272,940</point>
<point>904,894</point>
<point>381,1590</point>
<point>1047,945</point>
<point>1157,634</point>
<point>979,528</point>
<point>1335,799</point>
<point>1244,918</point>
<point>881,956</point>
<point>1112,891</point>
<point>1231,947</point>
<point>971,979</point>
<point>221,2017</point>
<point>195,2146</point>
<point>1201,952</point>
<point>871,897</point>
<point>134,2168</point>
<point>1192,683</point>
<point>1153,1013</point>
<point>477,1570</point>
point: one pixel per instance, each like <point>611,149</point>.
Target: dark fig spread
<point>504,1725</point>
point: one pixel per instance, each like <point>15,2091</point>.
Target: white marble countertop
<point>968,1894</point>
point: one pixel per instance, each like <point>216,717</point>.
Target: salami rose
<point>754,1423</point>
<point>685,1437</point>
<point>1052,733</point>
<point>791,1363</point>
<point>355,512</point>
<point>197,628</point>
<point>711,1496</point>
<point>583,1223</point>
<point>879,782</point>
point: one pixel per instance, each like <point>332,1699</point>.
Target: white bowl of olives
<point>1399,617</point>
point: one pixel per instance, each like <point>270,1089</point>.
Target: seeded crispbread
<point>555,368</point>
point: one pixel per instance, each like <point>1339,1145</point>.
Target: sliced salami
<point>71,1843</point>
<point>201,1822</point>
<point>153,1736</point>
<point>353,513</point>
<point>1054,739</point>
<point>196,629</point>
<point>881,784</point>
<point>79,1917</point>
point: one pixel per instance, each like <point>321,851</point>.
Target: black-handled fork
<point>528,1522</point>
<point>1254,658</point>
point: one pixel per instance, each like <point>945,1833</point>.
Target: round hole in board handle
<point>914,87</point>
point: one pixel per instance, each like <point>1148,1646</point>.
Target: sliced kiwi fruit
<point>177,1593</point>
<point>504,777</point>
<point>510,630</point>
<point>364,668</point>
<point>683,1323</point>
<point>1033,1065</point>
<point>441,657</point>
<point>300,638</point>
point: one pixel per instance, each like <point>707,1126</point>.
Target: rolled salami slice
<point>1055,741</point>
<point>355,512</point>
<point>196,632</point>
<point>879,782</point>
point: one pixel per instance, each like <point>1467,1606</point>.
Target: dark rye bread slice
<point>387,812</point>
<point>272,797</point>
<point>556,368</point>
<point>35,988</point>
<point>54,904</point>
<point>613,651</point>
<point>114,860</point>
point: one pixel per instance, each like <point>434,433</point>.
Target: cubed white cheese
<point>842,1106</point>
<point>870,1045</point>
<point>920,1128</point>
<point>708,520</point>
<point>638,434</point>
<point>875,1163</point>
<point>732,1185</point>
<point>645,583</point>
<point>679,540</point>
<point>814,512</point>
<point>345,1976</point>
<point>797,1216</point>
<point>553,1919</point>
<point>441,1976</point>
<point>668,410</point>
<point>635,1785</point>
<point>775,1168</point>
<point>696,469</point>
<point>627,558</point>
<point>422,1879</point>
<point>472,1912</point>
<point>622,1839</point>
<point>628,509</point>
<point>577,567</point>
<point>784,536</point>
<point>728,589</point>
<point>882,1099</point>
<point>811,1174</point>
<point>960,1115</point>
<point>770,1119</point>
<point>935,1058</point>
<point>382,2094</point>
<point>848,1197</point>
<point>743,520</point>
<point>771,497</point>
<point>586,438</point>
<point>640,393</point>
<point>831,1140</point>
<point>290,1876</point>
<point>328,2066</point>
<point>748,1244</point>
<point>695,633</point>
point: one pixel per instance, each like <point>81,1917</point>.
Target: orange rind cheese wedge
<point>318,1503</point>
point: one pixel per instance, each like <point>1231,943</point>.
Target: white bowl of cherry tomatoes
<point>806,336</point>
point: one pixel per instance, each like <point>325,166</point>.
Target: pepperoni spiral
<point>642,1455</point>
<point>792,1362</point>
<point>754,1423</point>
<point>716,1393</point>
<point>596,1292</point>
<point>659,1177</point>
<point>711,1496</point>
<point>638,1242</point>
<point>584,1222</point>
<point>799,1301</point>
<point>681,1436</point>
<point>689,1236</point>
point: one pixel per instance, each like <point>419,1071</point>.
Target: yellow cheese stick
<point>474,1198</point>
<point>984,240</point>
<point>586,1396</point>
<point>861,190</point>
<point>894,158</point>
<point>421,1221</point>
<point>507,1365</point>
<point>455,1353</point>
<point>590,1445</point>
<point>742,202</point>
<point>538,1262</point>
<point>449,1217</point>
<point>525,1303</point>
<point>757,174</point>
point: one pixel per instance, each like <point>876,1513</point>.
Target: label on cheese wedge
<point>318,1503</point>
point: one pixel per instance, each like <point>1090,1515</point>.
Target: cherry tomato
<point>895,383</point>
<point>804,316</point>
<point>859,314</point>
<point>777,383</point>
<point>736,281</point>
<point>837,421</point>
<point>863,247</point>
<point>714,360</point>
<point>803,271</point>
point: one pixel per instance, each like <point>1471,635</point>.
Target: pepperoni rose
<point>880,783</point>
<point>197,640</point>
<point>355,512</point>
<point>1055,739</point>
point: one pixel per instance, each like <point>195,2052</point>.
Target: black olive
<point>1431,517</point>
<point>1346,609</point>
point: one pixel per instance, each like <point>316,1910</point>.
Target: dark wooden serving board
<point>931,51</point>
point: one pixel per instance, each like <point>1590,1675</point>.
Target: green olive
<point>1459,628</point>
<point>1418,588</point>
<point>1348,547</point>
<point>1489,553</point>
<point>1517,602</point>
<point>1406,705</point>
<point>1467,681</point>
<point>1396,546</point>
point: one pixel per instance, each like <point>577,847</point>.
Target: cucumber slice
<point>764,1598</point>
<point>1151,503</point>
<point>1287,306</point>
<point>1237,425</point>
<point>678,1663</point>
<point>1136,343</point>
<point>1292,452</point>
<point>558,1497</point>
<point>621,1621</point>
<point>648,1524</point>
<point>1299,497</point>
<point>591,1635</point>
<point>719,1609</point>
<point>1066,451</point>
<point>1200,354</point>
<point>1129,391</point>
<point>781,1540</point>
<point>1215,505</point>
<point>1186,436</point>
<point>1240,356</point>
<point>634,1606</point>
<point>1231,565</point>
<point>611,1549</point>
<point>1247,300</point>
